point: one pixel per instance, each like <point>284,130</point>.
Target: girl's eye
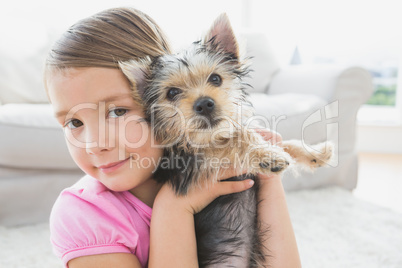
<point>74,123</point>
<point>215,80</point>
<point>117,112</point>
<point>173,92</point>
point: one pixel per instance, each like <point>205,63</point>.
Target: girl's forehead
<point>82,73</point>
<point>88,85</point>
<point>66,79</point>
<point>64,74</point>
<point>95,81</point>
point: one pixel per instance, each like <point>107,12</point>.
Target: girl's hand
<point>199,197</point>
<point>269,135</point>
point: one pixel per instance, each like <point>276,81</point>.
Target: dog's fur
<point>195,102</point>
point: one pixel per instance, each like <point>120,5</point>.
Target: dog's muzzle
<point>204,106</point>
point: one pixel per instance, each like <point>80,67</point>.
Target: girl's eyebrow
<point>105,100</point>
<point>116,97</point>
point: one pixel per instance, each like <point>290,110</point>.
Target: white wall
<point>183,21</point>
<point>342,31</point>
<point>379,139</point>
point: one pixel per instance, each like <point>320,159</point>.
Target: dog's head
<point>197,95</point>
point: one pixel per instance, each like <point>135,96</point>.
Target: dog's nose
<point>204,106</point>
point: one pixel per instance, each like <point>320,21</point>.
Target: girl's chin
<point>117,186</point>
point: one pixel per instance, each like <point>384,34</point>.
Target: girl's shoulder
<point>89,185</point>
<point>88,195</point>
<point>84,192</point>
<point>87,218</point>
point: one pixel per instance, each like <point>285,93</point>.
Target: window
<point>385,80</point>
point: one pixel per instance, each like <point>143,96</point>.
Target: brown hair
<point>105,39</point>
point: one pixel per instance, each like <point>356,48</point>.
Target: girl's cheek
<point>78,155</point>
<point>134,134</point>
<point>75,138</point>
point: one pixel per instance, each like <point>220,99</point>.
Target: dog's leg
<point>311,156</point>
<point>251,152</point>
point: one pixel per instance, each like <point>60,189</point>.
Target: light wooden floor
<point>380,180</point>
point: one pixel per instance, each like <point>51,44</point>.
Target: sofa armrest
<point>344,89</point>
<point>328,82</point>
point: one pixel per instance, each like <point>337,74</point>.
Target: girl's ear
<point>137,72</point>
<point>220,36</point>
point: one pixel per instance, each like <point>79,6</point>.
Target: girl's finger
<point>230,187</point>
<point>270,135</point>
<point>226,173</point>
<point>265,133</point>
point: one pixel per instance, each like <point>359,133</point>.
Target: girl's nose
<point>90,149</point>
<point>97,141</point>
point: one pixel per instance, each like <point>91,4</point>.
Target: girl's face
<point>105,134</point>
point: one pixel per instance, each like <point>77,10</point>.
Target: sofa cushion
<point>292,115</point>
<point>264,65</point>
<point>14,89</point>
<point>22,58</point>
<point>30,137</point>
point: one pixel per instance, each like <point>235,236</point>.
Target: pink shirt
<point>89,219</point>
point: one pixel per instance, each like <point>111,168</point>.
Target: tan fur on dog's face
<point>190,74</point>
<point>194,84</point>
<point>175,120</point>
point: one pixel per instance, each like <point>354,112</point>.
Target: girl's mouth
<point>113,166</point>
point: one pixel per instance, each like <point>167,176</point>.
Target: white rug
<point>333,229</point>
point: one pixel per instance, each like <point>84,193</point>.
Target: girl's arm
<point>280,242</point>
<point>121,260</point>
<point>173,242</point>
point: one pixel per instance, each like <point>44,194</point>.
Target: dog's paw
<point>320,155</point>
<point>274,166</point>
<point>274,162</point>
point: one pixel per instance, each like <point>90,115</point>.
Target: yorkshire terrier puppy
<point>196,103</point>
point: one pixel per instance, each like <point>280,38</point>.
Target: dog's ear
<point>221,35</point>
<point>137,72</point>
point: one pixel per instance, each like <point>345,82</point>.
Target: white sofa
<point>35,165</point>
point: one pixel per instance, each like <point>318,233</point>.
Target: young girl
<point>104,220</point>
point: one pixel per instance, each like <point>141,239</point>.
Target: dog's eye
<point>173,92</point>
<point>215,80</point>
